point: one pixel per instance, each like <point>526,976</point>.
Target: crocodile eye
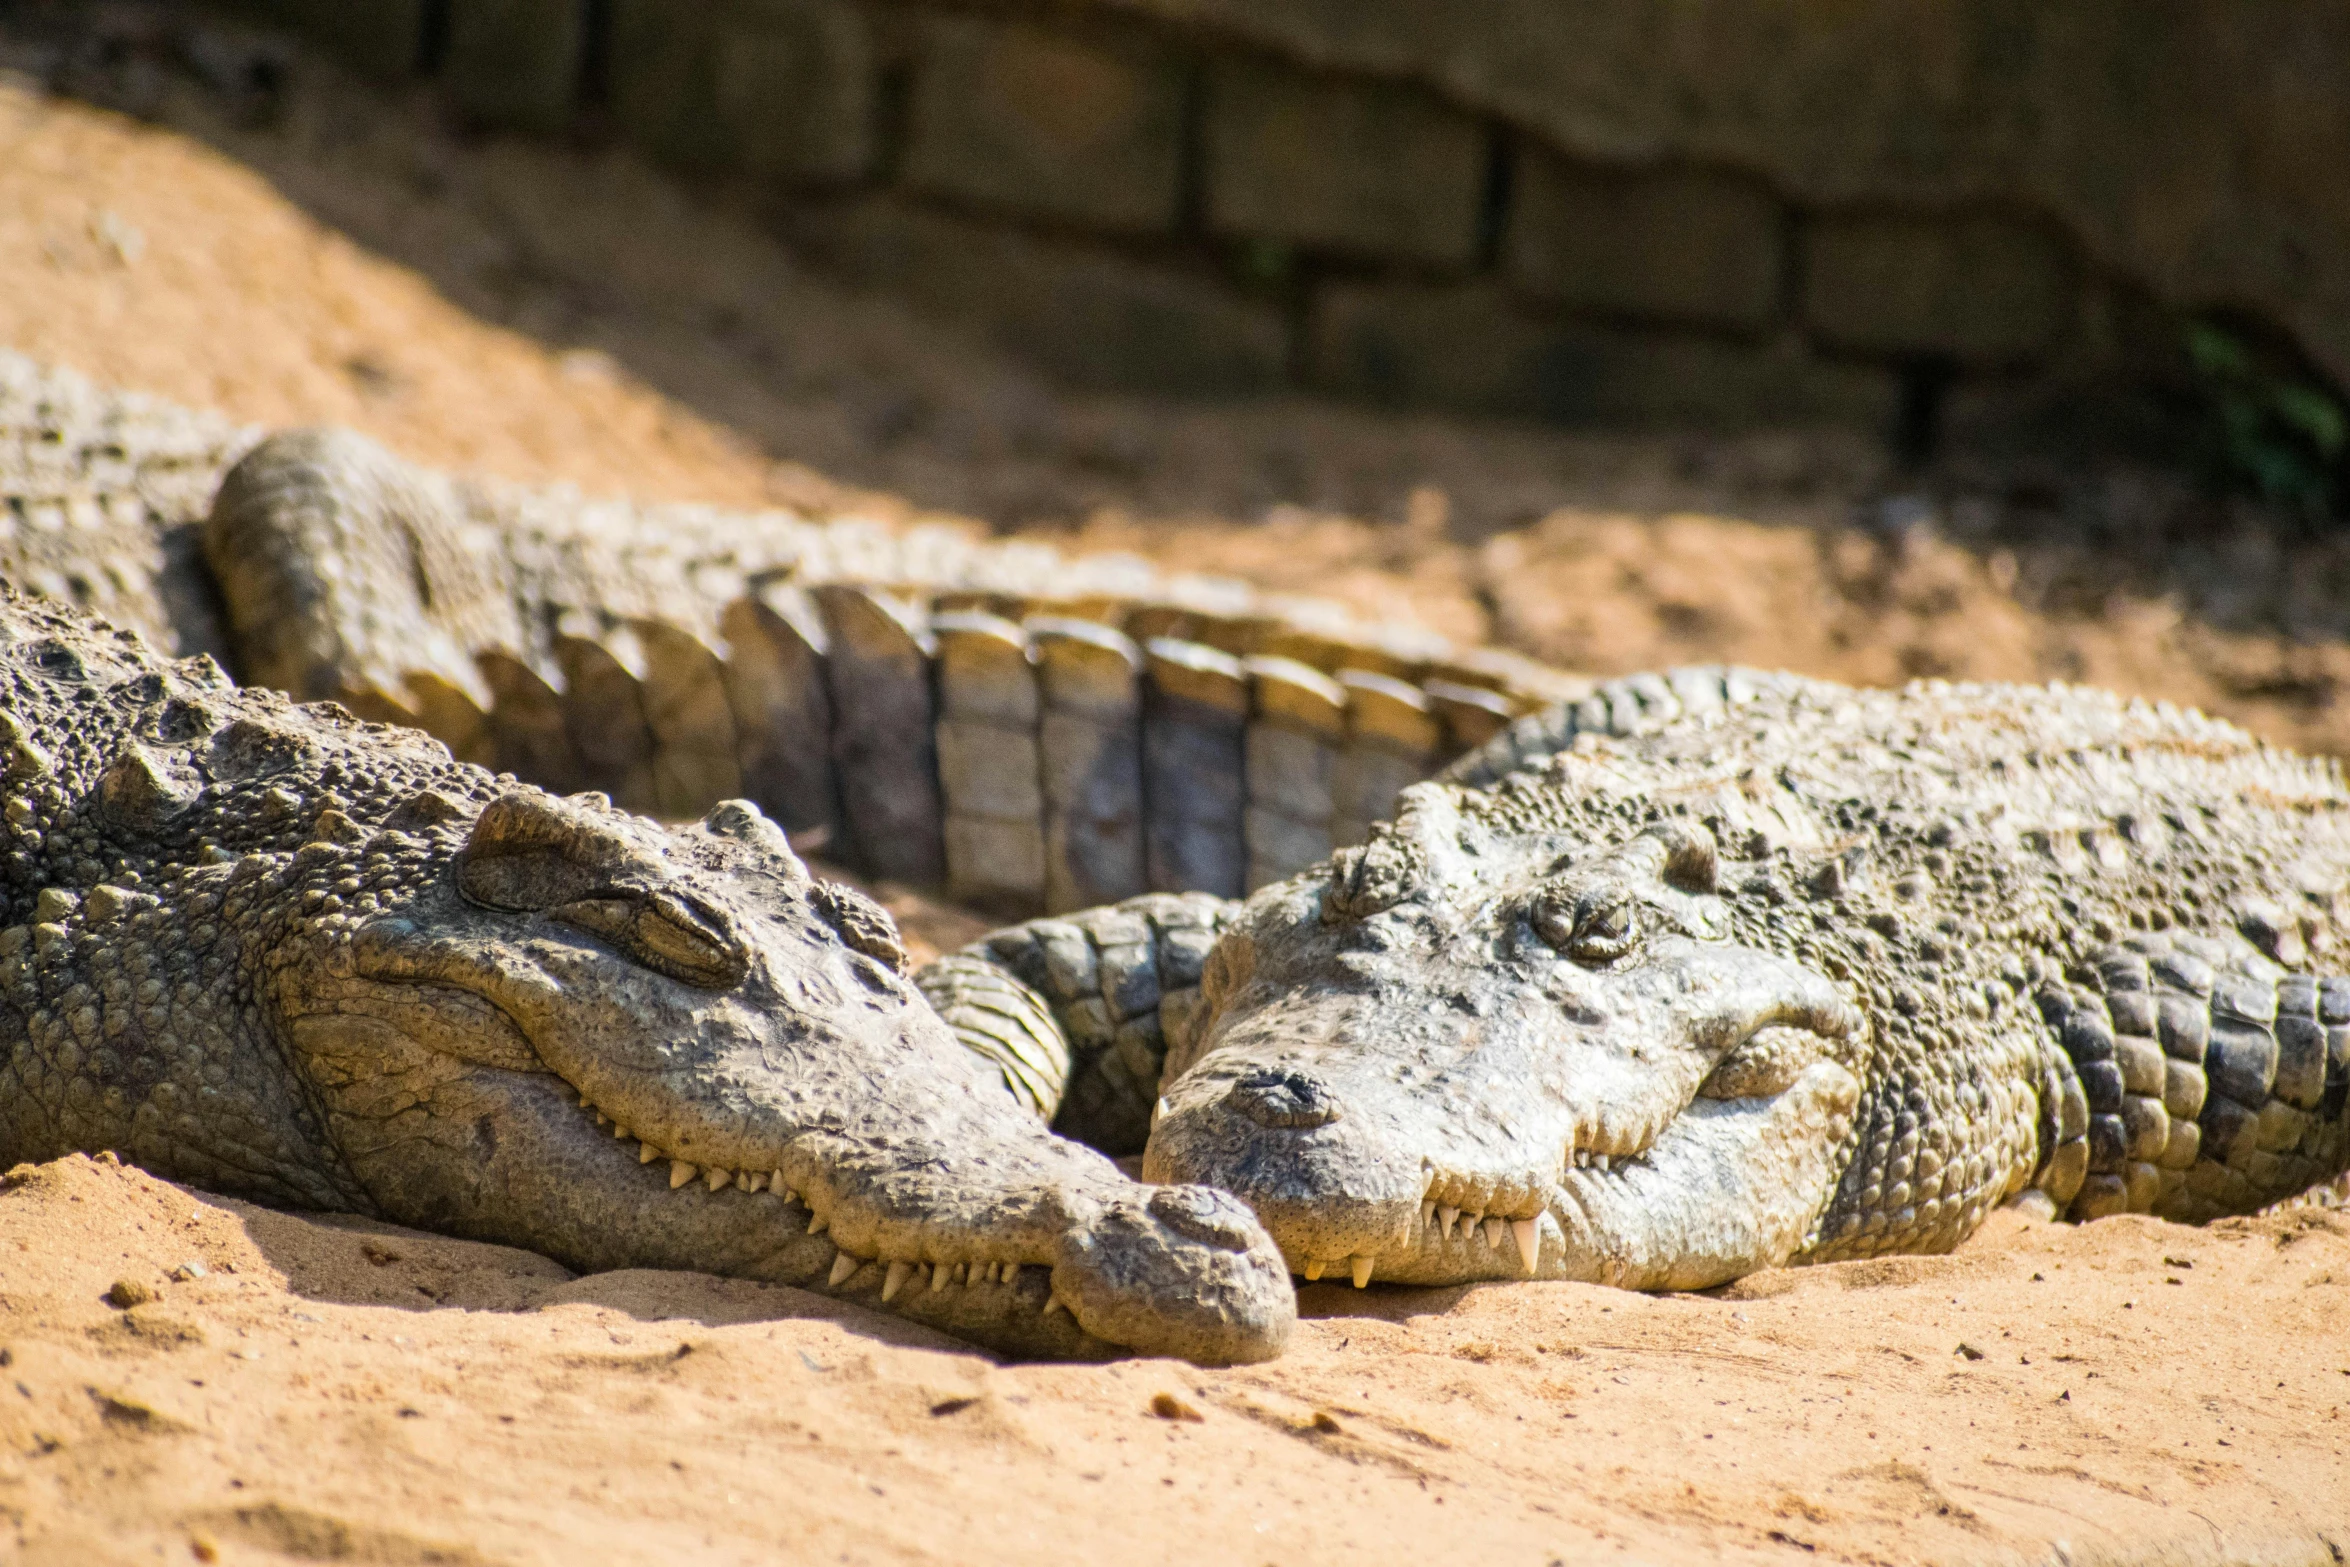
<point>610,918</point>
<point>663,934</point>
<point>679,941</point>
<point>1597,928</point>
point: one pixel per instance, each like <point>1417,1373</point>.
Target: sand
<point>2123,1391</point>
<point>337,1390</point>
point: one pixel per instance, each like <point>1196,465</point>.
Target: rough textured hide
<point>104,495</point>
<point>1716,969</point>
<point>280,952</point>
<point>674,656</point>
<point>1028,732</point>
<point>1088,1004</point>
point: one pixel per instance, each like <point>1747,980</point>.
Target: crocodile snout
<point>1283,1097</point>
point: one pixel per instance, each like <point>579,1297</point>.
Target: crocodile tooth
<point>1529,1235</point>
<point>1495,1229</point>
<point>1053,1304</point>
<point>895,1280</point>
<point>646,1153</point>
<point>1599,1162</point>
<point>815,1224</point>
<point>719,1177</point>
<point>680,1172</point>
<point>621,1132</point>
<point>1362,1271</point>
<point>1469,1230</point>
<point>941,1275</point>
<point>1427,1214</point>
<point>1313,1270</point>
<point>842,1266</point>
<point>752,1180</point>
<point>1159,1110</point>
<point>775,1184</point>
<point>1446,1216</point>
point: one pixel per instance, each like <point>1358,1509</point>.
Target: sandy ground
<point>336,1391</point>
<point>2125,1391</point>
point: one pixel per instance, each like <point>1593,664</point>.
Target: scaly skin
<point>274,951</point>
<point>1024,730</point>
<point>1782,971</point>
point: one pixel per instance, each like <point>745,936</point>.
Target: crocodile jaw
<point>1428,1095</point>
<point>802,1118</point>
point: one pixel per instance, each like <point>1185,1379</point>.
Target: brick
<point>377,38</point>
<point>1471,348</point>
<point>786,89</point>
<point>1356,167</point>
<point>1708,249</point>
<point>1979,289</point>
<point>516,64</point>
<point>1085,128</point>
<point>1088,315</point>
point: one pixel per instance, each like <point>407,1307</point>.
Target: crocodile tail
<point>1005,1023</point>
<point>2213,1082</point>
<point>1028,732</point>
<point>1081,1013</point>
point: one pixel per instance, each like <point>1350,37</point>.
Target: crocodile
<point>281,952</point>
<point>1022,730</point>
<point>1717,970</point>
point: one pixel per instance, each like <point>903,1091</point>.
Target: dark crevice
<point>432,37</point>
<point>1191,169</point>
<point>595,54</point>
<point>1493,211</point>
<point>1925,387</point>
<point>893,107</point>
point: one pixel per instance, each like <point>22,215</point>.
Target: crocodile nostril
<point>1203,1214</point>
<point>1279,1096</point>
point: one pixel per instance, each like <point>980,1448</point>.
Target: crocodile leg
<point>2215,1082</point>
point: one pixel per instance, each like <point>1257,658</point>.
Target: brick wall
<point>1445,206</point>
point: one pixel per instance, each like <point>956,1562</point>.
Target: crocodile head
<point>550,1023</point>
<point>1474,1048</point>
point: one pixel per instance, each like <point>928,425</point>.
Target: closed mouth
<point>1474,1226</point>
<point>784,1202</point>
